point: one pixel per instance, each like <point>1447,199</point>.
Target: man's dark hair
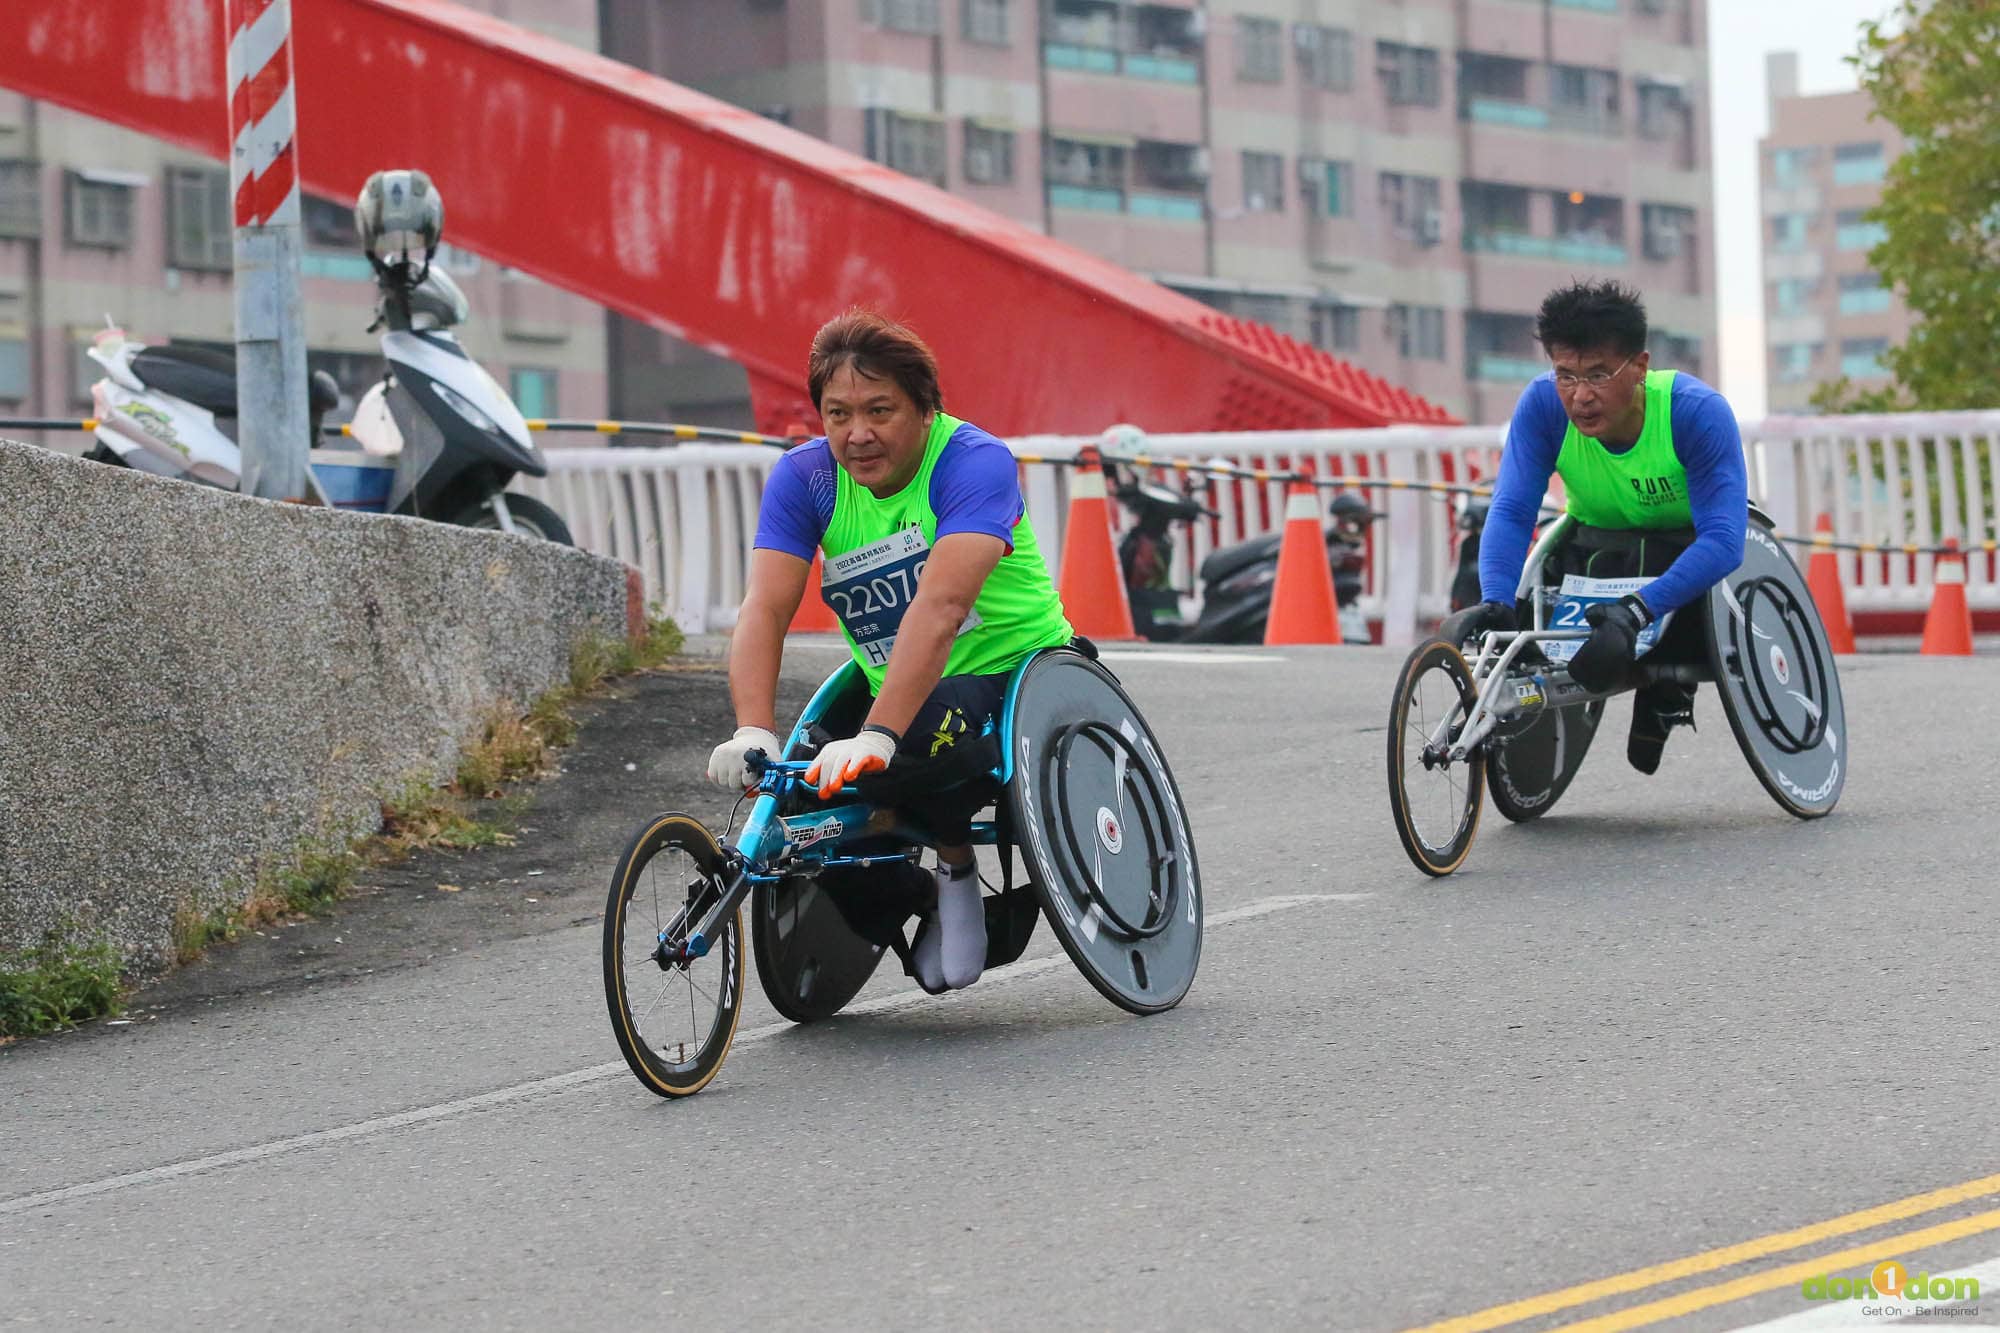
<point>1585,316</point>
<point>878,348</point>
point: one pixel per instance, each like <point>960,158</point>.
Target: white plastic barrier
<point>684,515</point>
<point>1906,480</point>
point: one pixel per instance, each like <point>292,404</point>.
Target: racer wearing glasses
<point>1652,470</point>
<point>932,570</point>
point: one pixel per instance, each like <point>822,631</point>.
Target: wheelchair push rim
<point>1435,804</point>
<point>673,1015</point>
<point>1775,671</point>
<point>1104,832</point>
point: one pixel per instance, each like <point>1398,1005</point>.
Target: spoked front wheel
<point>1435,800</point>
<point>674,1014</point>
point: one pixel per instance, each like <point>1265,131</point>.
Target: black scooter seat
<point>207,378</point>
<point>1233,560</point>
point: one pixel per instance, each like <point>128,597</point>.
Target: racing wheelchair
<point>1511,722</point>
<point>1077,785</point>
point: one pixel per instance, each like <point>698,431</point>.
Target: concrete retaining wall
<point>191,680</point>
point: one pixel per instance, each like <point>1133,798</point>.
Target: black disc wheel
<point>810,961</point>
<point>1435,800</point>
<point>674,1013</point>
<point>1529,765</point>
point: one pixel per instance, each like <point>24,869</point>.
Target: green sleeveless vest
<point>876,550</point>
<point>1644,487</point>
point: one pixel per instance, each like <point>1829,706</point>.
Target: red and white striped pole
<point>270,322</point>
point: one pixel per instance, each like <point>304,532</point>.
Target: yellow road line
<point>1723,1292</point>
<point>1710,1260</point>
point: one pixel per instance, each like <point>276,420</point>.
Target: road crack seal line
<point>557,1083</point>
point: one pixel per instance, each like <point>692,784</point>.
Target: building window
<point>913,145</point>
<point>1863,294</point>
<point>327,223</point>
<point>1792,166</point>
<point>13,369</point>
<point>99,212</point>
<point>534,392</point>
<point>989,154</point>
<point>1861,358</point>
<point>1793,296</point>
<point>1793,362</point>
<point>1089,176</point>
<point>1410,207</point>
<point>1326,56</point>
<point>200,230</point>
<point>1263,183</point>
<point>1788,231</point>
<point>1663,111</point>
<point>1859,164</point>
<point>1336,328</point>
<point>1327,187</point>
<point>1675,349</point>
<point>1409,74</point>
<point>985,21</point>
<point>1666,230</point>
<point>1418,331</point>
<point>1259,50</point>
<point>1853,231</point>
<point>1584,99</point>
<point>919,16</point>
<point>20,199</point>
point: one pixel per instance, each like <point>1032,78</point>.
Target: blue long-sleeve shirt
<point>1709,447</point>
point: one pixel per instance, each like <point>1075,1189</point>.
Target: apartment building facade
<point>1827,314</point>
<point>1397,181</point>
<point>98,221</point>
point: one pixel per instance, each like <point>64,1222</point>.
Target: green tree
<point>1933,69</point>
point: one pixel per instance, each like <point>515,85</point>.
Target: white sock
<point>962,925</point>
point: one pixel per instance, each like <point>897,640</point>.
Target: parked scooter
<point>1471,523</point>
<point>439,437</point>
<point>1237,580</point>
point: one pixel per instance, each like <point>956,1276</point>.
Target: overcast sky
<point>1740,32</point>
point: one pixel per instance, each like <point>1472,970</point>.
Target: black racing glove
<point>1614,632</point>
<point>1462,626</point>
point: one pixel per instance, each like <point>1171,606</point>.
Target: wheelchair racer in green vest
<point>932,571</point>
<point>1652,469</point>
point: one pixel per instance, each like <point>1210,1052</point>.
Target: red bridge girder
<point>698,217</point>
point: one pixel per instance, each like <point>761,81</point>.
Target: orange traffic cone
<point>1091,585</point>
<point>1303,609</point>
<point>1823,579</point>
<point>814,616</point>
<point>1948,627</point>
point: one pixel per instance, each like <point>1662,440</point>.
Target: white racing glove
<point>841,762</point>
<point>725,765</point>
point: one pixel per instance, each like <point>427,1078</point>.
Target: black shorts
<point>1609,553</point>
<point>940,777</point>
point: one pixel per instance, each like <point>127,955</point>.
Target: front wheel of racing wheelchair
<point>1078,786</point>
<point>1507,719</point>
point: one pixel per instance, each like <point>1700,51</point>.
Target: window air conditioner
<point>1305,36</point>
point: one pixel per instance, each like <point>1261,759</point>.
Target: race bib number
<point>1577,595</point>
<point>871,587</point>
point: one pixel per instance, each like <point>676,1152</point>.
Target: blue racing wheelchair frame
<point>1078,786</point>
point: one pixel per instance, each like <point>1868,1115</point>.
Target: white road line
<point>562,1082</point>
<point>1136,655</point>
<point>1847,1314</point>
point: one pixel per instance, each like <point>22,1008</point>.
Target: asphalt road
<point>1665,1020</point>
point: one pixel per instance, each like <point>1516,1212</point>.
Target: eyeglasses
<point>1596,379</point>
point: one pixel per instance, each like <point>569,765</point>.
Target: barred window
<point>919,16</point>
<point>1259,50</point>
<point>986,21</point>
<point>989,154</point>
<point>1263,183</point>
<point>199,219</point>
<point>99,212</point>
<point>913,145</point>
<point>20,199</point>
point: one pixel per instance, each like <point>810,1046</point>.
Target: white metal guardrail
<point>685,515</point>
